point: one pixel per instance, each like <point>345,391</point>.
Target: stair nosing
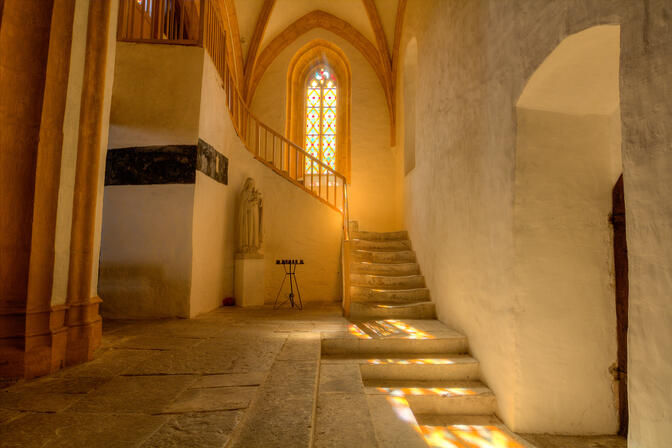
<point>394,306</point>
<point>389,276</point>
<point>363,356</point>
<point>394,290</point>
<point>355,262</point>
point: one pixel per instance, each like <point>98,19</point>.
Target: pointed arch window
<point>321,103</point>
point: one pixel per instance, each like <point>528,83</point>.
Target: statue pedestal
<point>249,280</point>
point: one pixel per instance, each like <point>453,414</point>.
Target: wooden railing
<point>181,22</point>
<point>160,21</point>
<point>214,38</point>
<point>281,155</point>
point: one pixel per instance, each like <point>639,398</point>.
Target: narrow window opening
<point>321,102</point>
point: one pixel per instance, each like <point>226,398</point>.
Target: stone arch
<point>568,159</point>
<point>314,53</point>
<point>333,24</point>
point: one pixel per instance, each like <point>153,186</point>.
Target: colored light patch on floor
<point>467,436</point>
<point>381,328</point>
<point>412,332</point>
<point>403,411</point>
<point>419,361</point>
<point>415,391</point>
<point>356,331</point>
<point>387,328</point>
<point>454,436</point>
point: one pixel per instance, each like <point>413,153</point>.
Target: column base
<point>38,348</point>
<point>85,331</point>
<point>12,341</point>
<point>12,358</point>
<point>45,354</point>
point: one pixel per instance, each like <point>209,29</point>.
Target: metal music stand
<point>290,271</point>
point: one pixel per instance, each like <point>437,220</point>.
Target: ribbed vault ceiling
<point>258,27</point>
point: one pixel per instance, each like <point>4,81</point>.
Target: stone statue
<point>250,220</point>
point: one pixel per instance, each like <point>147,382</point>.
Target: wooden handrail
<point>269,146</point>
<point>198,22</point>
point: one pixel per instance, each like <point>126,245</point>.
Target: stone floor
<point>233,377</point>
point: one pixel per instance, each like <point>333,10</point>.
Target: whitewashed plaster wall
<point>372,184</point>
<point>157,95</point>
<point>168,250</point>
<point>475,59</point>
<point>146,253</point>
<point>457,208</point>
<point>563,270</point>
<point>296,225</point>
<point>568,159</point>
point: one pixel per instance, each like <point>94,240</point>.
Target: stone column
<point>46,336</point>
<point>24,45</point>
<point>83,321</point>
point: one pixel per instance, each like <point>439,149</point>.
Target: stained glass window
<point>321,100</point>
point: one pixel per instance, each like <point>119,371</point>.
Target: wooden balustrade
<point>198,22</point>
<point>163,21</point>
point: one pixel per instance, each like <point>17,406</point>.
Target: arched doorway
<point>568,160</point>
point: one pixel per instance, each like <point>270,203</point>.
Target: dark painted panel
<point>172,164</point>
<point>212,163</point>
<point>151,165</point>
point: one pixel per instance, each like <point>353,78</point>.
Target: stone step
<point>391,431</point>
<point>388,281</point>
<point>421,368</point>
<point>439,397</point>
<point>368,294</point>
<point>364,267</point>
<point>369,256</point>
<point>393,336</point>
<point>380,236</point>
<point>417,310</point>
<point>456,419</point>
<point>381,246</point>
<point>457,425</point>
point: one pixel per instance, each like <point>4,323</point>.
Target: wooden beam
<point>255,43</point>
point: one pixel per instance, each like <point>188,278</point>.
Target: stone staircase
<point>413,368</point>
<point>385,279</point>
<point>422,361</point>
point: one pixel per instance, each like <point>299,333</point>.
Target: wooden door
<point>621,270</point>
